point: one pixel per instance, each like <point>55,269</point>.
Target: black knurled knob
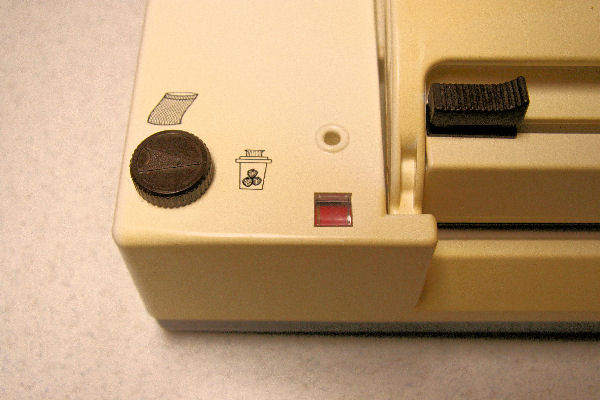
<point>171,168</point>
<point>477,109</point>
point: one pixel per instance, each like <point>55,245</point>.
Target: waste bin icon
<point>253,169</point>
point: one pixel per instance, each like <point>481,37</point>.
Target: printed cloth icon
<point>170,109</point>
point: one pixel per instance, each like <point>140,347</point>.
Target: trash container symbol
<point>253,169</point>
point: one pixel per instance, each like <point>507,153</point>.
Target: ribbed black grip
<point>497,105</point>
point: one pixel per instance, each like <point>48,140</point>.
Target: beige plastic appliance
<point>323,203</point>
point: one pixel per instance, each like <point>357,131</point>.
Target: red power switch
<point>333,209</point>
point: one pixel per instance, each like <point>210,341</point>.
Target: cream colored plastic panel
<point>549,173</point>
<point>285,280</point>
<point>469,280</point>
<point>547,178</point>
<point>270,75</point>
<point>501,277</point>
<point>515,273</point>
<point>422,36</point>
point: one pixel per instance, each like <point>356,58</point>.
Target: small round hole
<point>331,138</point>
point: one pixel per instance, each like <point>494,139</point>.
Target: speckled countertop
<point>71,323</point>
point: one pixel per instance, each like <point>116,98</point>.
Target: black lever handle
<point>457,107</point>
